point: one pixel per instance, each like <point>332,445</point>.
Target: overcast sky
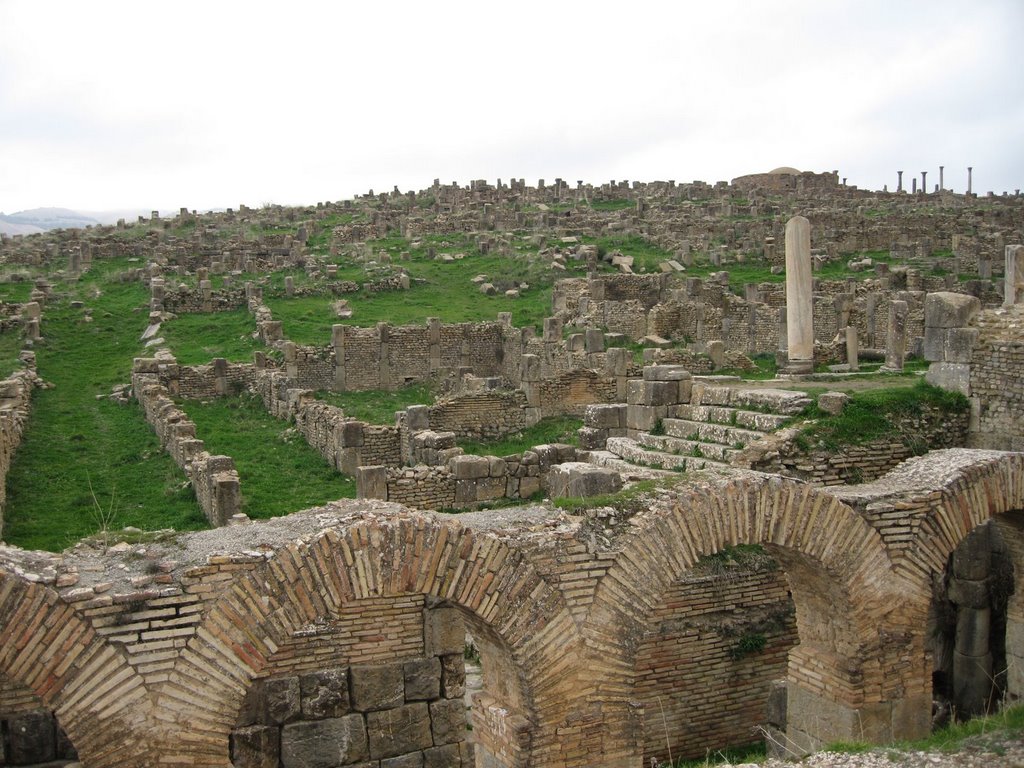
<point>210,104</point>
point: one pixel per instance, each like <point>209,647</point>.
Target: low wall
<point>214,478</point>
<point>465,480</point>
<point>783,453</point>
<point>15,403</point>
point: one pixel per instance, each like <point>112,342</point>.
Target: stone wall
<point>464,481</point>
<point>997,380</point>
<point>15,403</point>
<point>214,478</point>
<point>715,644</point>
<point>787,453</point>
<point>148,650</point>
<point>345,692</point>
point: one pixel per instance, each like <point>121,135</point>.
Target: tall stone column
<point>970,187</point>
<point>942,183</point>
<point>799,297</point>
<point>896,339</point>
<point>899,181</point>
<point>1014,275</point>
<point>924,182</point>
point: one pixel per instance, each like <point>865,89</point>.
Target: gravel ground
<point>997,751</point>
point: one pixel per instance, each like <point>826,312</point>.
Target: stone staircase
<point>707,432</point>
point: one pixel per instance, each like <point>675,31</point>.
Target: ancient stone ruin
<point>726,583</point>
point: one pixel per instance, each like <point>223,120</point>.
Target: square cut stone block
<point>944,309</point>
<point>398,731</point>
<point>324,743</point>
<point>377,687</point>
<point>469,467</point>
<point>422,679</point>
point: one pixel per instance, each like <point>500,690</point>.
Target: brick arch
<point>49,649</point>
<point>851,619</point>
<point>975,487</point>
<point>386,556</point>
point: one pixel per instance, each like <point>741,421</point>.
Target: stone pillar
<point>289,286</point>
<point>896,339</point>
<point>924,182</point>
<point>338,342</point>
<point>913,186</point>
<point>851,348</point>
<point>384,361</point>
<point>970,186</point>
<point>799,297</point>
<point>942,181</point>
<point>434,340</point>
<point>1014,275</point>
<point>968,589</point>
<point>899,181</point>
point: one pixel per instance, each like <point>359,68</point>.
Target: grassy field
<point>377,406</point>
<point>279,471</point>
<point>550,430</point>
<point>83,453</point>
<point>197,339</point>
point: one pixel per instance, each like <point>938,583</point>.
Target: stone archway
<point>87,683</point>
<point>859,671</point>
<point>405,554</point>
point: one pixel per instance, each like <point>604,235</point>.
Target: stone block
<point>577,479</point>
<point>496,467</point>
<point>352,434</point>
<point>377,687</point>
<point>960,344</point>
<point>444,631</point>
<point>446,756</point>
<point>31,738</point>
<point>956,377</point>
<point>635,392</point>
<point>934,349</point>
<point>528,486</point>
<point>643,417</point>
<point>411,760</point>
<point>490,488</point>
<point>666,373</point>
<point>685,391</point>
<point>280,698</point>
<point>833,403</point>
<point>324,693</point>
<point>594,341</point>
<point>324,743</point>
<point>453,674</point>
<point>973,630</point>
<point>660,392</point>
<point>372,482</point>
<point>605,416</point>
<point>776,706</point>
<point>950,310</point>
<point>256,746</point>
<point>468,467</point>
<point>448,721</point>
<point>422,679</point>
<point>592,439</point>
<point>399,731</point>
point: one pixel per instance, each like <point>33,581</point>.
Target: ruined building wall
<point>214,478</point>
<point>15,403</point>
<point>712,649</point>
<point>384,679</point>
<point>997,380</point>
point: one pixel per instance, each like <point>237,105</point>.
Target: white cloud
<point>120,104</point>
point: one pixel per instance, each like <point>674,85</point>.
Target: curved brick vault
<point>569,613</point>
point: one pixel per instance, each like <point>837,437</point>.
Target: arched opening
<point>30,734</point>
<point>716,646</point>
<point>383,679</point>
<point>976,622</point>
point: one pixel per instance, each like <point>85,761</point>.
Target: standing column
<point>799,297</point>
<point>899,182</point>
<point>941,182</point>
<point>970,188</point>
<point>924,182</point>
<point>896,339</point>
<point>1014,275</point>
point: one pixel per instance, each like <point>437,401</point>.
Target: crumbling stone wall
<point>342,692</point>
<point>787,453</point>
<point>15,403</point>
<point>714,645</point>
<point>214,478</point>
<point>486,415</point>
<point>997,379</point>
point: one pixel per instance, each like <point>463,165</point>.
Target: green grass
<point>443,290</point>
<point>279,472</point>
<point>612,205</point>
<point>557,429</point>
<point>16,292</point>
<point>1008,724</point>
<point>195,339</point>
<point>74,440</point>
<point>748,753</point>
<point>646,255</point>
<point>378,406</point>
<point>871,414</point>
<point>11,342</point>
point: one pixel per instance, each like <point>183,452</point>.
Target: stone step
<point>630,450</point>
<point>706,432</point>
<point>780,401</point>
<point>720,414</point>
<point>788,402</point>
<point>692,448</point>
<point>629,471</point>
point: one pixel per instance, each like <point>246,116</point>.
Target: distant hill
<point>42,219</point>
